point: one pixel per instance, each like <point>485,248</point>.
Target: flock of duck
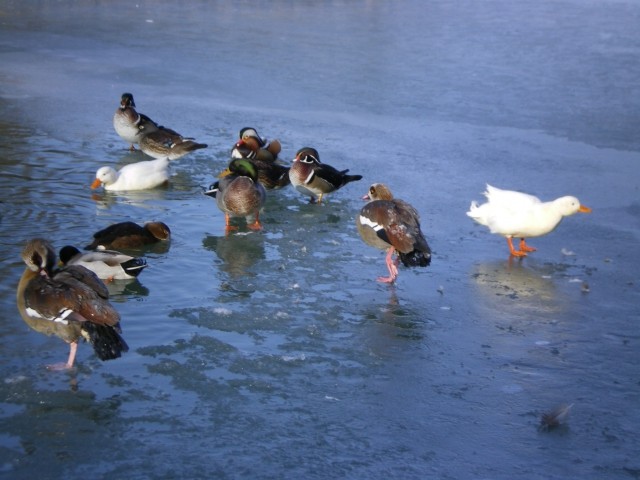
<point>68,297</point>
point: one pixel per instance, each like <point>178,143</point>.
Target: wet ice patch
<point>511,389</point>
<point>293,358</point>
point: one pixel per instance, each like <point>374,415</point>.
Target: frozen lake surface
<point>277,354</point>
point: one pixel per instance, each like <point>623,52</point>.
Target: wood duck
<point>515,214</point>
<point>239,194</point>
<point>129,124</point>
<point>71,303</point>
<point>311,177</point>
<point>270,173</point>
<point>393,225</point>
<point>129,235</point>
<point>167,143</point>
<point>264,149</point>
<point>134,176</point>
<point>106,264</point>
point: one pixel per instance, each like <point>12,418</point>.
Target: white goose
<point>514,214</point>
<point>135,176</point>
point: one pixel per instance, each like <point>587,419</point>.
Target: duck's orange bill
<point>96,183</point>
<point>584,209</point>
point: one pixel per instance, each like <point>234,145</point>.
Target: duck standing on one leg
<point>71,302</point>
<point>312,178</point>
<point>515,214</point>
<point>239,194</point>
<point>393,225</point>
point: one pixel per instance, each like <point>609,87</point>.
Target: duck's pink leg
<point>73,349</point>
<point>391,265</point>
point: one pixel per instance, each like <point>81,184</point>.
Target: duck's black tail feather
<point>134,266</point>
<point>106,340</point>
<point>419,257</point>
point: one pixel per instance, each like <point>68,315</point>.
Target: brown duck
<point>393,225</point>
<point>70,302</point>
<point>239,194</point>
<point>129,235</point>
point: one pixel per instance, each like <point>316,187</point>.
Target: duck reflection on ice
<point>238,252</point>
<point>530,285</point>
<point>127,288</point>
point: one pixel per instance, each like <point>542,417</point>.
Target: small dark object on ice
<point>554,418</point>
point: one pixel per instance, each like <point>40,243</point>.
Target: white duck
<point>106,264</point>
<point>515,214</point>
<point>135,176</point>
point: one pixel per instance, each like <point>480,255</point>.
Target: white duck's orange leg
<point>513,251</point>
<point>524,247</point>
<point>391,265</point>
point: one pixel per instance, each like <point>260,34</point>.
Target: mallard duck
<point>270,174</point>
<point>515,214</point>
<point>71,303</point>
<point>129,235</point>
<point>129,124</point>
<point>312,178</point>
<point>134,176</point>
<point>239,194</point>
<point>167,143</point>
<point>106,264</point>
<point>393,225</point>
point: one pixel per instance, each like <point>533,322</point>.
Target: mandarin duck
<point>270,173</point>
<point>264,149</point>
<point>70,302</point>
<point>134,176</point>
<point>106,264</point>
<point>515,214</point>
<point>312,178</point>
<point>393,225</point>
<point>239,194</point>
<point>129,124</point>
<point>129,235</point>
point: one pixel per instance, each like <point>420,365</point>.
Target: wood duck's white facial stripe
<point>61,318</point>
<point>308,158</point>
